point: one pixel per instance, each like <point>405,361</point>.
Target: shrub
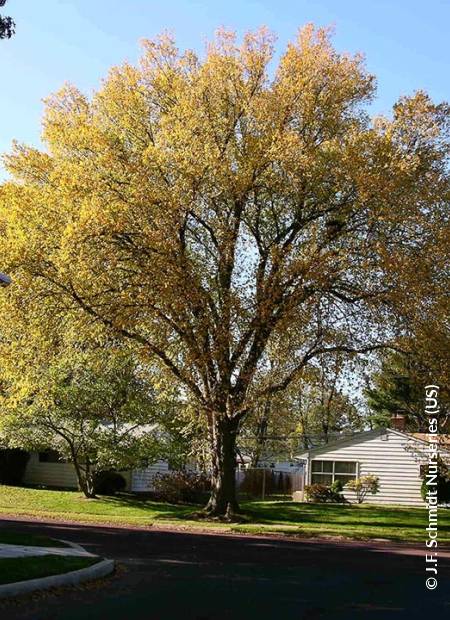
<point>321,493</point>
<point>442,486</point>
<point>109,482</point>
<point>337,486</point>
<point>13,462</point>
<point>363,486</point>
<point>317,493</point>
<point>181,486</point>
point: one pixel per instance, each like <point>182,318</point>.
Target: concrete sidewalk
<point>22,551</point>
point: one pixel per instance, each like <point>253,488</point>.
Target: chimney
<point>398,421</point>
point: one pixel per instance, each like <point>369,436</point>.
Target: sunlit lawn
<point>354,521</point>
<point>365,521</point>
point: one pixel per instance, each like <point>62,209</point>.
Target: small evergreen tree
<point>400,387</point>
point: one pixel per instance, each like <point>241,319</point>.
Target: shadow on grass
<point>158,509</point>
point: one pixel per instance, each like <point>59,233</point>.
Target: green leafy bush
<point>181,486</point>
<point>443,483</point>
<point>317,493</point>
<point>337,486</point>
<point>109,483</point>
<point>363,486</point>
<point>13,463</point>
<point>321,493</point>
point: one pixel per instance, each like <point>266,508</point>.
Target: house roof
<point>444,441</point>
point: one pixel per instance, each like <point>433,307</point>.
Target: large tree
<point>207,209</point>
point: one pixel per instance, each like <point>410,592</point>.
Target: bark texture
<point>223,500</point>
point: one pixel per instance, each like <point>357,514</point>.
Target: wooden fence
<point>268,482</point>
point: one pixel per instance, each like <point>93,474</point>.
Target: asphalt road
<point>165,575</point>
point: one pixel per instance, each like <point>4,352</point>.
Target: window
<point>326,472</point>
<point>50,456</point>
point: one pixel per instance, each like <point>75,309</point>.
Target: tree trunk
<point>89,484</point>
<point>85,478</point>
<point>223,501</point>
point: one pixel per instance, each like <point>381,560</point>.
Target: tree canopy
<point>208,210</point>
<point>95,407</point>
<point>399,387</point>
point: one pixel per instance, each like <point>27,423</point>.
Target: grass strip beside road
<point>24,569</point>
<point>396,523</point>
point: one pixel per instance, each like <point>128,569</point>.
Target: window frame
<point>333,472</point>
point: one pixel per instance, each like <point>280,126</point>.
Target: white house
<point>46,469</point>
<point>394,456</point>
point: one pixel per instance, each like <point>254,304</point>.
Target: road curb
<point>96,571</point>
<point>75,545</point>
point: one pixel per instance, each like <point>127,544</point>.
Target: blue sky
<point>405,43</point>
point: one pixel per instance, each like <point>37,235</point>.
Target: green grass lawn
<point>30,540</point>
<point>363,521</point>
<point>23,569</point>
<point>348,520</point>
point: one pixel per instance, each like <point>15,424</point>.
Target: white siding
<point>50,474</point>
<point>142,479</point>
<point>394,458</point>
<point>57,474</point>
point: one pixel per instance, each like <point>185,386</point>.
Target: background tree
<point>399,387</point>
<point>95,408</point>
<point>208,212</point>
<point>7,25</point>
<point>309,412</point>
<point>328,410</point>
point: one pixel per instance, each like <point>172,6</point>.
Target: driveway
<point>165,575</point>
